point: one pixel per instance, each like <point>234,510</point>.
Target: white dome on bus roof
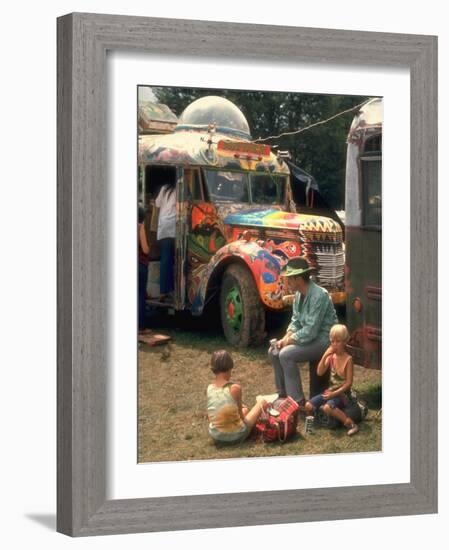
<point>226,116</point>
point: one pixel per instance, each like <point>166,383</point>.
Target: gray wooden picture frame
<point>83,41</point>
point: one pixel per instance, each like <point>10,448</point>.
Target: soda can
<point>309,424</point>
<point>273,347</point>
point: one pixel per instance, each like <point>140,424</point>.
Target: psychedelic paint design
<point>262,239</point>
<point>190,148</point>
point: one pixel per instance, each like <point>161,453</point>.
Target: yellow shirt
<point>225,423</point>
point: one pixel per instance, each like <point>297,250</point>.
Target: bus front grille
<point>329,260</point>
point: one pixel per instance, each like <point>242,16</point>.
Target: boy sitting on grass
<point>229,420</point>
<point>334,399</point>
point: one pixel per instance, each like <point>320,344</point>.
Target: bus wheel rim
<point>234,309</point>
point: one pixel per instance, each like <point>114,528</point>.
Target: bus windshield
<point>227,186</point>
<point>245,187</point>
<point>267,189</point>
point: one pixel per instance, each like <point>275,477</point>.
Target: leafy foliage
<point>321,151</point>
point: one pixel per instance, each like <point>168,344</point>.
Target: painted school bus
<point>364,235</point>
<point>237,224</point>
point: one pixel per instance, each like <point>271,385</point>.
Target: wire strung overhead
<point>293,132</point>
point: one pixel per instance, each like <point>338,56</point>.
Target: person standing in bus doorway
<point>307,336</point>
<point>166,232</point>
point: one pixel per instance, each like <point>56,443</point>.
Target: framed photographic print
<point>262,166</point>
<point>231,213</point>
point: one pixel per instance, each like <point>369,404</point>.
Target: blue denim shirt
<point>313,318</point>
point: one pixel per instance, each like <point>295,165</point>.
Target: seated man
<point>307,336</point>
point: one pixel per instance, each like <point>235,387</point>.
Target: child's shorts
<point>336,402</point>
<point>230,437</point>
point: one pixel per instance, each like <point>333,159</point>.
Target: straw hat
<point>296,266</point>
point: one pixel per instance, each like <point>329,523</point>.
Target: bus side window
<point>371,172</point>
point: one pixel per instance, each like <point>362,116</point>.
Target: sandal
<point>353,429</point>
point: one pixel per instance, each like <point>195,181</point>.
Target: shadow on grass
<point>205,332</point>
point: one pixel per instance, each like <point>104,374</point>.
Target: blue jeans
<point>167,250</point>
<point>337,402</point>
<point>285,364</point>
<point>143,276</point>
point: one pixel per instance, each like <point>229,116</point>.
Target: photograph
<point>259,245</point>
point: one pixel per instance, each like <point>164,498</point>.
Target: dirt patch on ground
<point>172,402</point>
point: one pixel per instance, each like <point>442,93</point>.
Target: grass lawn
<point>172,403</point>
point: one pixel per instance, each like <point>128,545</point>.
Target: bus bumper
<point>338,298</point>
